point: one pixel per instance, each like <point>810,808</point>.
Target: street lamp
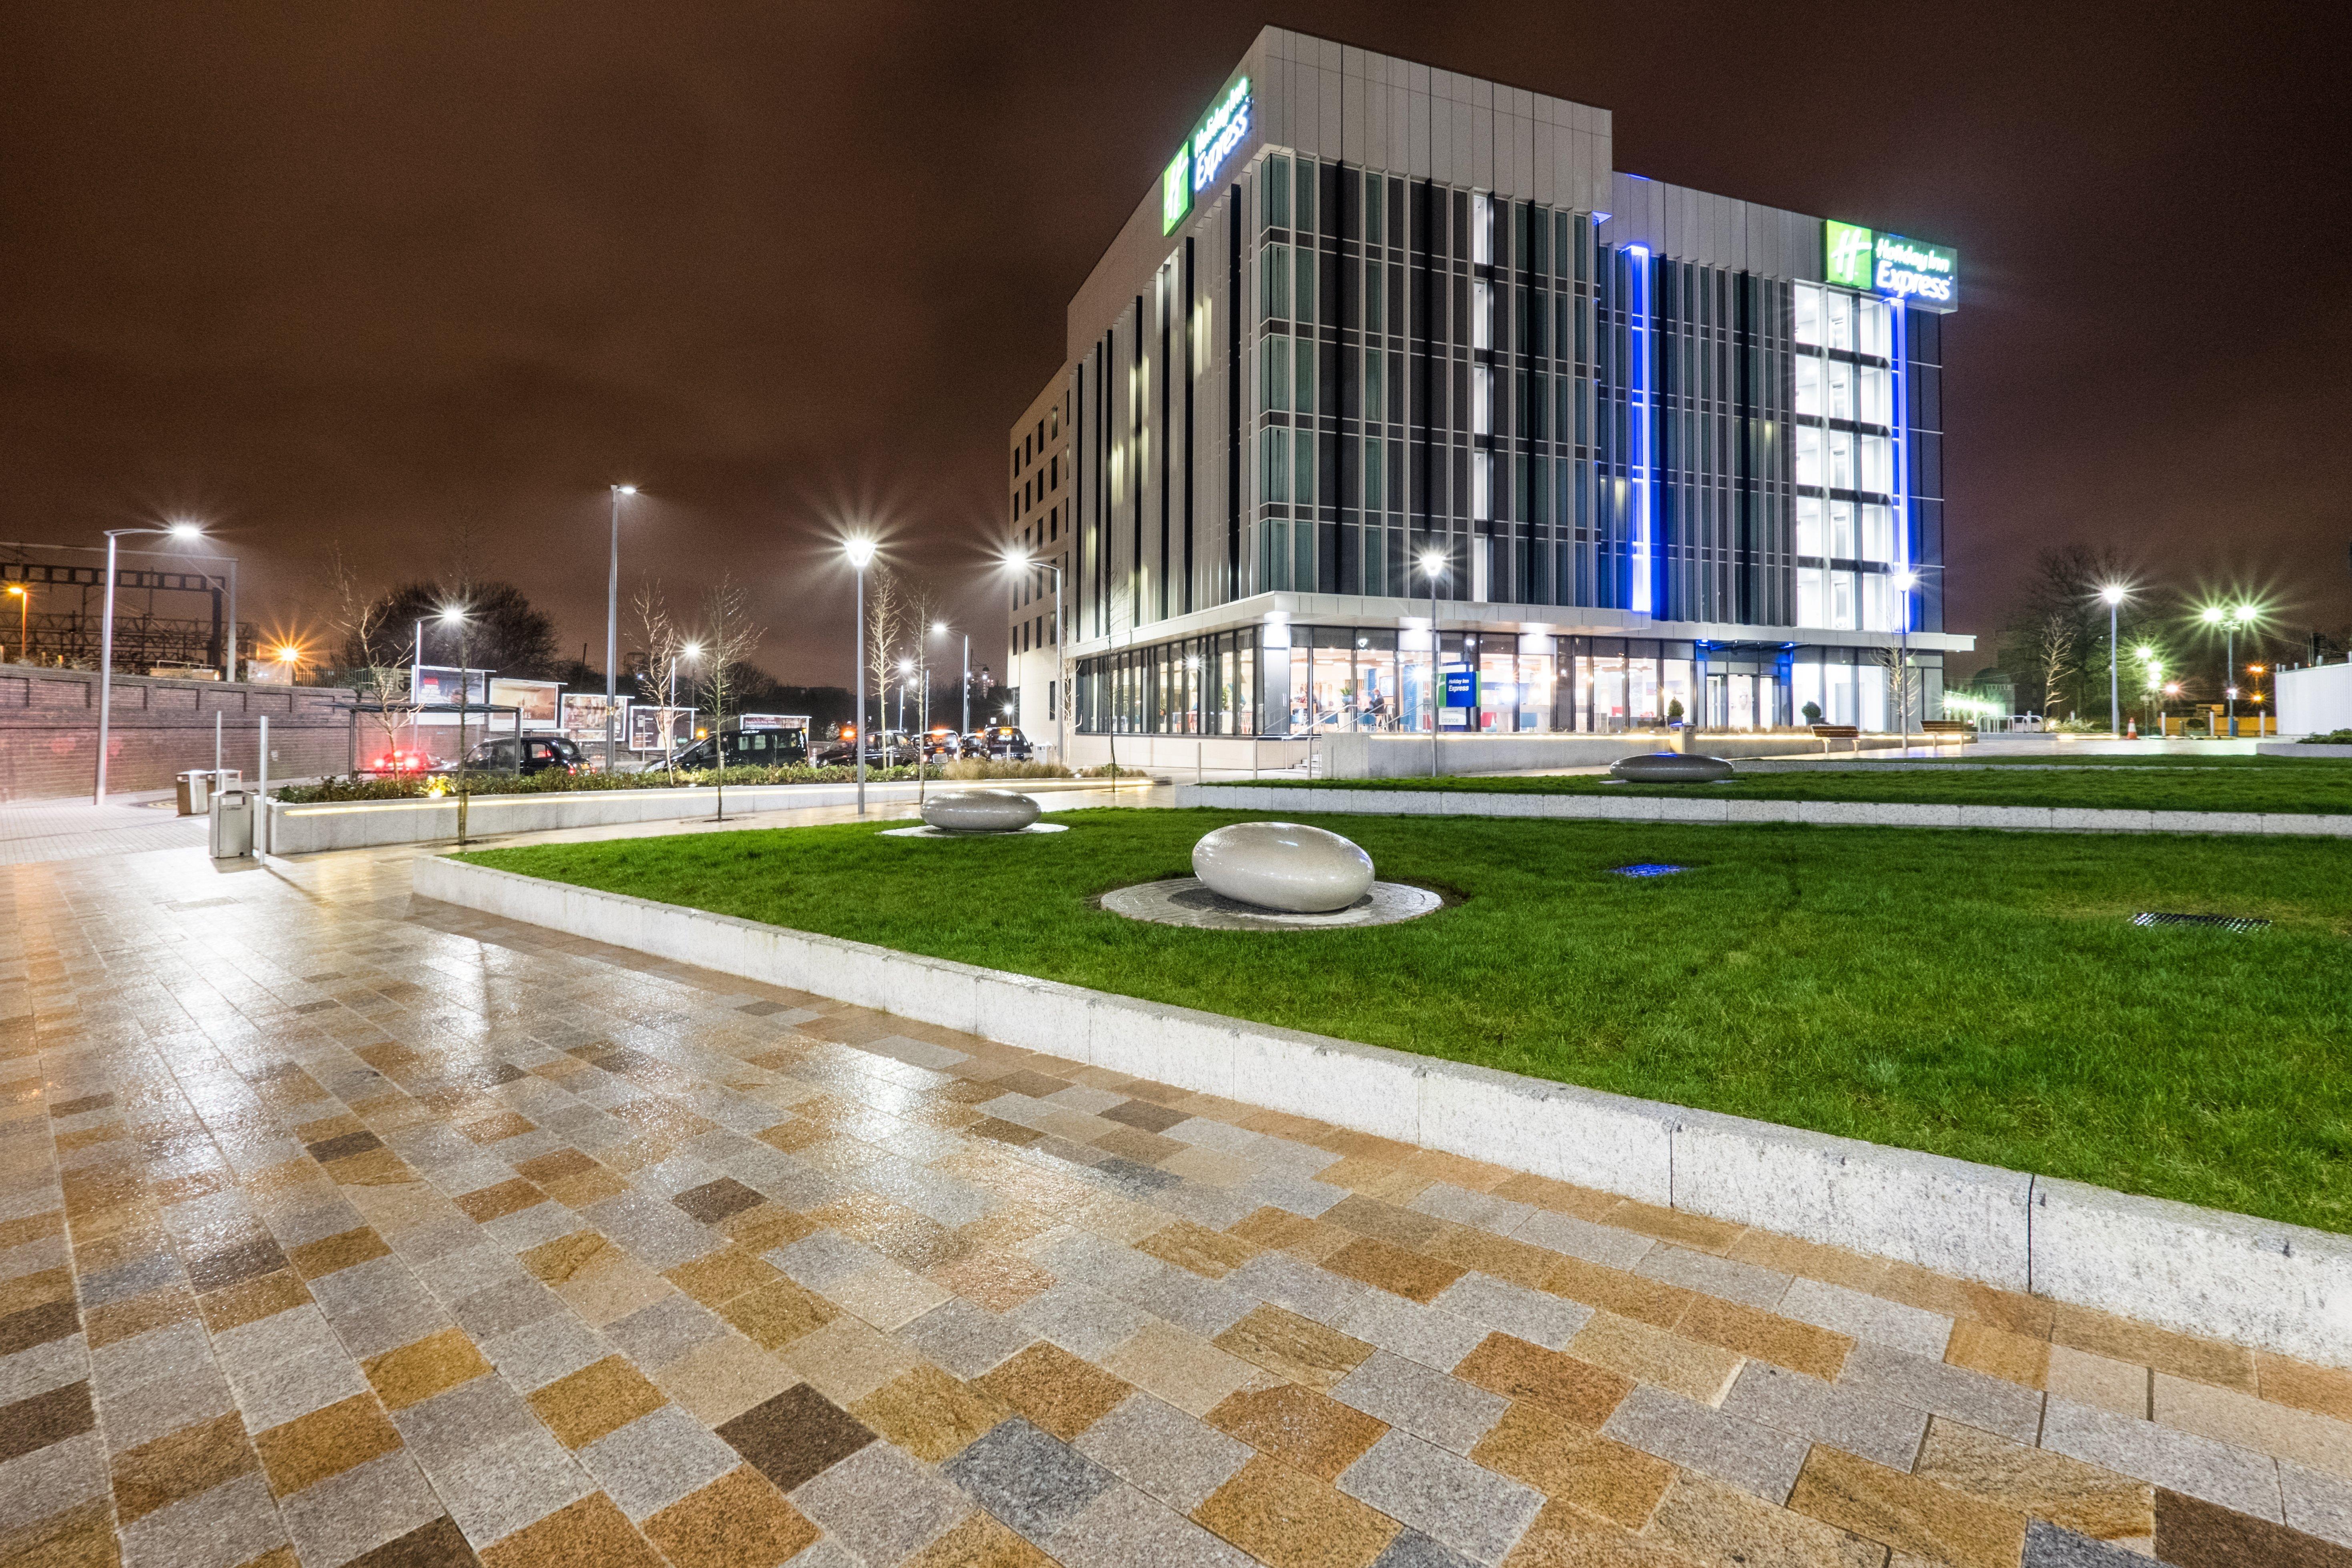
<point>455,616</point>
<point>24,622</point>
<point>1904,580</point>
<point>183,531</point>
<point>1018,560</point>
<point>1433,566</point>
<point>611,627</point>
<point>906,668</point>
<point>941,628</point>
<point>2230,618</point>
<point>860,552</point>
<point>2114,595</point>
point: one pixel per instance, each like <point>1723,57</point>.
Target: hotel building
<point>1383,332</point>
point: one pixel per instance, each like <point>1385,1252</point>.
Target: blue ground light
<point>1647,868</point>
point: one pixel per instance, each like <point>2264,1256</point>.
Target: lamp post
<point>2114,595</point>
<point>23,623</point>
<point>455,615</point>
<point>2230,619</point>
<point>2256,671</point>
<point>612,628</point>
<point>939,627</point>
<point>2155,669</point>
<point>182,531</point>
<point>861,554</point>
<point>1904,582</point>
<point>1018,560</point>
<point>1433,566</point>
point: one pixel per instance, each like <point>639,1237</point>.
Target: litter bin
<point>231,822</point>
<point>195,792</point>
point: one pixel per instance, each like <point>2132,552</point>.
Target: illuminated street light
<point>2230,617</point>
<point>613,623</point>
<point>2114,595</point>
<point>1904,580</point>
<point>860,551</point>
<point>23,623</point>
<point>1433,566</point>
<point>1018,560</point>
<point>180,530</point>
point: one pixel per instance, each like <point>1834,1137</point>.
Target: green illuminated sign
<point>1912,270</point>
<point>1845,254</point>
<point>1202,153</point>
<point>1176,189</point>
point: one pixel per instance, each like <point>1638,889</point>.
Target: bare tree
<point>360,617</point>
<point>664,645</point>
<point>729,639</point>
<point>2060,635</point>
<point>886,608</point>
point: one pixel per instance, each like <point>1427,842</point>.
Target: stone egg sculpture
<point>980,811</point>
<point>1669,767</point>
<point>1283,866</point>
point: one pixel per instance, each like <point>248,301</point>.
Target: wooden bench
<point>1955,729</point>
<point>1825,733</point>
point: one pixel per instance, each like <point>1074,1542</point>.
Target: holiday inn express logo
<point>1926,276</point>
<point>1202,153</point>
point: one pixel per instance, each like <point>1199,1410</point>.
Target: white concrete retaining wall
<point>1714,809</point>
<point>2299,749</point>
<point>357,824</point>
<point>2281,1287</point>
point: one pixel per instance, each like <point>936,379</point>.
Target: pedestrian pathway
<point>338,1227</point>
<point>36,831</point>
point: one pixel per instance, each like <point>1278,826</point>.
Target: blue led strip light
<point>1898,340</point>
<point>1644,597</point>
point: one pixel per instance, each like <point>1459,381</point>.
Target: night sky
<point>391,274</point>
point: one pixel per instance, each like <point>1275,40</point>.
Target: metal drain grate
<point>1648,868</point>
<point>2227,922</point>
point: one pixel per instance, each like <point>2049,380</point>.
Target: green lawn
<point>2284,787</point>
<point>1979,994</point>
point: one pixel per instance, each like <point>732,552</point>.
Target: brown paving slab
<point>180,1465</point>
<point>779,1313</point>
<point>597,1400</point>
<point>222,1266</point>
<point>28,1290</point>
<point>309,1448</point>
<point>567,1257</point>
<point>2083,1498</point>
<point>589,1533</point>
<point>81,1536</point>
<point>2121,1338</point>
<point>38,1327</point>
<point>2193,1533</point>
<point>766,1227</point>
<point>39,1227</point>
<point>1212,1253</point>
<point>1717,1524</point>
<point>1457,1170</point>
<point>1997,1353</point>
<point>720,1277</point>
<point>592,1186</point>
<point>379,1167</point>
<point>978,1541</point>
<point>1572,1463</point>
<point>1766,1336</point>
<point>2321,1389</point>
<point>1564,1536</point>
<point>1305,1430</point>
<point>1646,1354</point>
<point>1916,1287</point>
<point>494,1129</point>
<point>1135,1143</point>
<point>1369,1216</point>
<point>253,1301</point>
<point>999,1282</point>
<point>1906,1513</point>
<point>1293,1347</point>
<point>737,1522</point>
<point>1056,1391</point>
<point>1151,1116</point>
<point>1278,1230</point>
<point>795,1436</point>
<point>322,1258</point>
<point>44,1418</point>
<point>1394,1268</point>
<point>1810,1260</point>
<point>1565,1385</point>
<point>1680,1227</point>
<point>415,1371</point>
<point>929,1414</point>
<point>714,1201</point>
<point>554,1166</point>
<point>486,1204</point>
<point>721,1378</point>
<point>1628,1295</point>
<point>1183,1368</point>
<point>1466,1247</point>
<point>1287,1519</point>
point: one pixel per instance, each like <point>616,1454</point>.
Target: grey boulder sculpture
<point>980,811</point>
<point>1283,866</point>
<point>1669,767</point>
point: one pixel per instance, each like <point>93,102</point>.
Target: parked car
<point>399,762</point>
<point>743,749</point>
<point>527,754</point>
<point>883,748</point>
<point>1002,741</point>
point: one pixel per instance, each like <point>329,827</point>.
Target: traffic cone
<point>2131,728</point>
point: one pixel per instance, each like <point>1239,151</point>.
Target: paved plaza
<point>338,1227</point>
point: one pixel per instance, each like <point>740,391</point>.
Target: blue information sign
<point>1462,689</point>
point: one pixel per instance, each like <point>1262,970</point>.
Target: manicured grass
<point>1978,994</point>
<point>2289,786</point>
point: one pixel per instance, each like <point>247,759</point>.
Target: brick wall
<point>48,731</point>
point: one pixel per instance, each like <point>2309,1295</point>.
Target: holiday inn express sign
<point>1202,153</point>
<point>1912,270</point>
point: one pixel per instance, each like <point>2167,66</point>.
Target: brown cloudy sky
<point>374,273</point>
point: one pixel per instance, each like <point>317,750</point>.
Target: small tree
<point>361,618</point>
<point>886,627</point>
<point>659,681</point>
<point>728,641</point>
<point>2057,638</point>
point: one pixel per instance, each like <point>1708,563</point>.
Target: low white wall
<point>358,824</point>
<point>2281,1287</point>
<point>2314,701</point>
<point>1714,809</point>
<point>2301,748</point>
